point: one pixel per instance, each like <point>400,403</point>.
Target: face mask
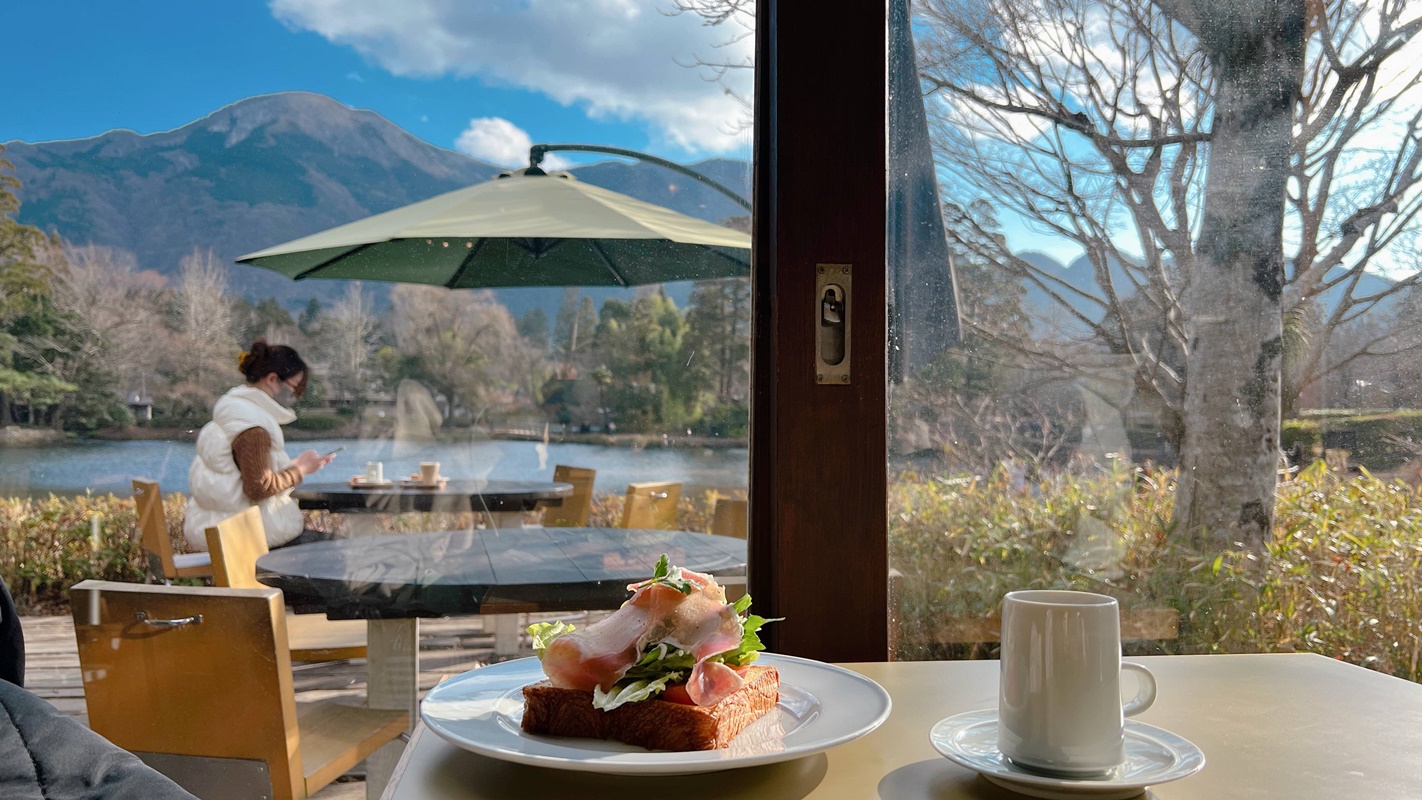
<point>285,396</point>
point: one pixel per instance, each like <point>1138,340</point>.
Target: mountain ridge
<point>275,167</point>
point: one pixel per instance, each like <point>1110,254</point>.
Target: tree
<point>265,319</point>
<point>641,346</point>
<point>24,307</point>
<point>350,335</point>
<point>204,321</point>
<point>1176,142</point>
<point>463,343</point>
<point>716,348</point>
<point>107,334</point>
<point>577,319</point>
<point>533,326</point>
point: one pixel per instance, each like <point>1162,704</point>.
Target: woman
<point>241,456</point>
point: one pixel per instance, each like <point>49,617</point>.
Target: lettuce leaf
<point>660,659</point>
<point>662,664</point>
<point>624,691</point>
<point>667,575</point>
<point>543,633</point>
<point>750,646</point>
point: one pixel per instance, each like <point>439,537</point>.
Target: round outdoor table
<point>393,580</point>
<point>454,497</point>
<point>487,571</point>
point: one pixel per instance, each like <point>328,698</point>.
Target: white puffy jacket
<point>215,484</point>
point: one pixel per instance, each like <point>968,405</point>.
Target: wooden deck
<point>447,647</point>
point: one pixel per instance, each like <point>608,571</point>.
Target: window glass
<point>1184,250</point>
<point>556,340</point>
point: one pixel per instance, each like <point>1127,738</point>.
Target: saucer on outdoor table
<point>359,482</point>
<point>416,482</point>
<point>1153,756</point>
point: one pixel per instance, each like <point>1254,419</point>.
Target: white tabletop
<point>1271,726</point>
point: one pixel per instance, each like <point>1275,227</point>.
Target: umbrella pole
<point>607,262</point>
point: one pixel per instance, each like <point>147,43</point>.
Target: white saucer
<point>1153,756</point>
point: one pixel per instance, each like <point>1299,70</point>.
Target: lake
<point>107,467</point>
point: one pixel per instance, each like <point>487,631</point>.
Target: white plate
<point>820,706</point>
<point>1153,756</point>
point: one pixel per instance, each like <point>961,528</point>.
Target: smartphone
<point>333,452</point>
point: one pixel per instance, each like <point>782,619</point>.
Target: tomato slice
<point>676,693</point>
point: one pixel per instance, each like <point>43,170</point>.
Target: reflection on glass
<point>1185,271</point>
<point>601,322</point>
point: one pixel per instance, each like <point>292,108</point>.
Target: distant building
<point>141,405</point>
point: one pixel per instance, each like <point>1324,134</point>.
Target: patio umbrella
<point>523,228</point>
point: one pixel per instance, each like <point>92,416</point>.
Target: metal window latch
<point>832,320</point>
<point>142,616</point>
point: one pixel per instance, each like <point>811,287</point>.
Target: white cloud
<point>498,141</point>
<point>355,76</point>
<point>616,59</point>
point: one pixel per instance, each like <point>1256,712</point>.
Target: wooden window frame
<point>818,463</point>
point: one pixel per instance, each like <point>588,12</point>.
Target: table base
<point>392,682</point>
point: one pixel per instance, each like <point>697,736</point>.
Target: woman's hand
<point>311,462</point>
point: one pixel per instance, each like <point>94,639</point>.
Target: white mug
<point>429,472</point>
<point>1059,701</point>
<point>374,472</point>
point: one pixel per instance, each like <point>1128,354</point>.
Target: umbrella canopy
<point>524,228</point>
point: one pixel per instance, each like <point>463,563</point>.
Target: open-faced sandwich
<point>670,670</point>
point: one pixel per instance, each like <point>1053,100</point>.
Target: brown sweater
<point>251,449</point>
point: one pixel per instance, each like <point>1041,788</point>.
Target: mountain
<point>276,167</point>
<point>1079,273</point>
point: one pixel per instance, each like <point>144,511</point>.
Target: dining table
<point>1293,726</point>
<point>502,503</point>
<point>393,580</point>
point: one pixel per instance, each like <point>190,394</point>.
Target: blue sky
<point>602,71</point>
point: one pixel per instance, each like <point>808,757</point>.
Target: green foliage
<point>533,326</point>
<point>46,544</point>
<point>319,422</point>
<point>1341,577</point>
<point>1378,438</point>
<point>641,347</point>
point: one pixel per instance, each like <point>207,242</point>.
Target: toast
<point>654,724</point>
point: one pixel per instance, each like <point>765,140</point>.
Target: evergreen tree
<point>717,343</point>
<point>533,326</point>
<point>24,286</point>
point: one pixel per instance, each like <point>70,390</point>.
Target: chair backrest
<point>730,518</point>
<point>235,544</point>
<point>191,671</point>
<point>153,522</point>
<point>651,505</point>
<point>576,507</point>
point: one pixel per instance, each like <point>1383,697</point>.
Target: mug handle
<point>1145,694</point>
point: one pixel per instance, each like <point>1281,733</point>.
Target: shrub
<point>46,545</point>
<point>1341,576</point>
<point>1371,439</point>
<point>319,422</point>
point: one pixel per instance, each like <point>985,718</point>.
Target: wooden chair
<point>576,507</point>
<point>163,565</point>
<point>235,544</point>
<point>197,682</point>
<point>651,505</point>
<point>730,518</point>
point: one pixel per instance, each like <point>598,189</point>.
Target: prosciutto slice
<point>700,623</point>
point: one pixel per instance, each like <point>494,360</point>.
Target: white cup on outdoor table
<point>429,472</point>
<point>1059,701</point>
